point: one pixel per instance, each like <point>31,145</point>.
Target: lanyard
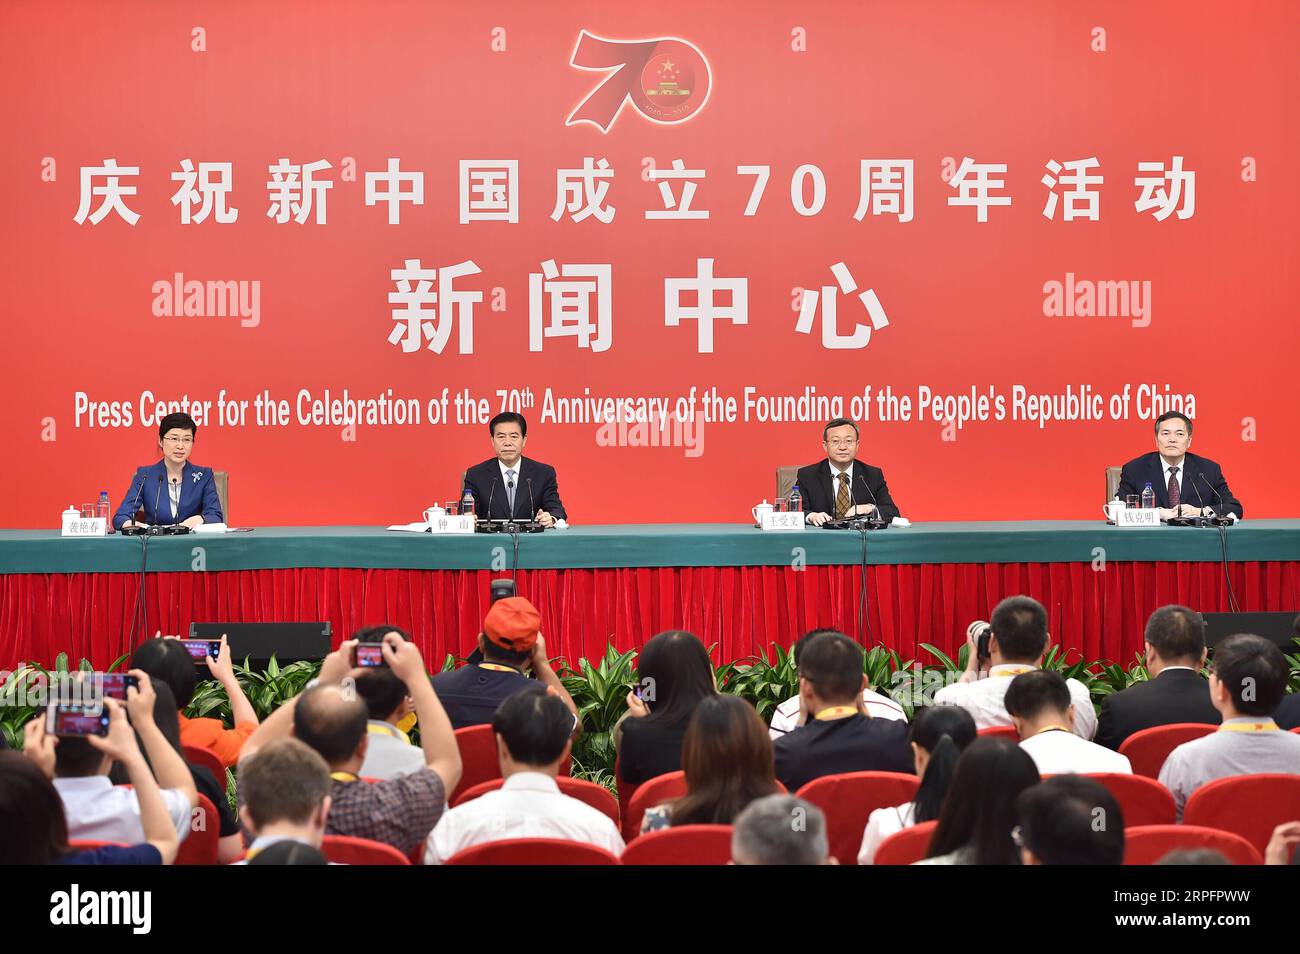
<point>1053,728</point>
<point>1013,672</point>
<point>836,712</point>
<point>388,730</point>
<point>1249,727</point>
<point>343,776</point>
<point>495,668</point>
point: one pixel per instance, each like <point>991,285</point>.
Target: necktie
<point>510,490</point>
<point>842,497</point>
<point>1173,487</point>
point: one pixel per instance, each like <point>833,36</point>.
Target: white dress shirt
<point>98,810</point>
<point>1057,752</point>
<point>528,805</point>
<point>174,495</point>
<point>785,717</point>
<point>983,699</point>
<point>882,823</point>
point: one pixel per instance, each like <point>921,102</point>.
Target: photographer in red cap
<point>511,644</point>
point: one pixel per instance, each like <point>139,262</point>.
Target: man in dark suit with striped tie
<point>841,485</point>
<point>510,485</point>
<point>1185,485</point>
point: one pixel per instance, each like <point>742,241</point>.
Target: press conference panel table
<point>733,585</point>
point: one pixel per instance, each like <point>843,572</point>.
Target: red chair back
<point>597,796</point>
<point>533,851</point>
<point>1148,749</point>
<point>478,758</point>
<point>1001,732</point>
<point>655,791</point>
<point>1247,805</point>
<point>197,755</point>
<point>848,799</point>
<point>1142,800</point>
<point>683,845</point>
<point>1147,844</point>
<point>200,845</point>
<point>89,844</point>
<point>346,850</point>
<point>907,846</point>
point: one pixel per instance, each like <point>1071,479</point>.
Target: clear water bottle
<point>1148,497</point>
<point>101,509</point>
<point>467,502</point>
<point>796,499</point>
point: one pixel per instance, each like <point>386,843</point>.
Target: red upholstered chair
<point>1143,801</point>
<point>683,845</point>
<point>597,796</point>
<point>534,851</point>
<point>346,850</point>
<point>1148,749</point>
<point>848,799</point>
<point>89,844</point>
<point>907,846</point>
<point>200,847</point>
<point>1147,844</point>
<point>478,758</point>
<point>1247,805</point>
<point>1296,730</point>
<point>197,755</point>
<point>1007,732</point>
<point>652,792</point>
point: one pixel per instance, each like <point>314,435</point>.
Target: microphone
<point>157,493</point>
<point>1222,512</point>
<point>877,515</point>
<point>510,486</point>
<point>135,506</point>
<point>491,491</point>
<point>175,481</point>
<point>532,510</point>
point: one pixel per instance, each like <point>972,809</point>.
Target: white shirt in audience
<point>983,699</point>
<point>1057,752</point>
<point>882,823</point>
<point>528,805</point>
<point>98,810</point>
<point>785,717</point>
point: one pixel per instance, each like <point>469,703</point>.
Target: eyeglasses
<point>844,443</point>
<point>179,441</point>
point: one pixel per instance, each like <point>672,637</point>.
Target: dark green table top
<point>648,545</point>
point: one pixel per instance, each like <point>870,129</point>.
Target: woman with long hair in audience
<point>727,756</point>
<point>33,826</point>
<point>675,676</point>
<point>980,808</point>
<point>939,735</point>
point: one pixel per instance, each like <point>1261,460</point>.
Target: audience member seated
<point>1069,820</point>
<point>230,844</point>
<point>785,718</point>
<point>391,713</point>
<point>780,830</point>
<point>331,718</point>
<point>95,808</point>
<point>939,735</point>
<point>33,827</point>
<point>285,788</point>
<point>534,732</point>
<point>1040,706</point>
<point>512,645</point>
<point>1248,675</point>
<point>1174,691</point>
<point>675,676</point>
<point>1018,644</point>
<point>166,660</point>
<point>1288,710</point>
<point>727,756</point>
<point>837,737</point>
<point>980,810</point>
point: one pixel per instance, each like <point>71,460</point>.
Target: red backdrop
<point>1019,83</point>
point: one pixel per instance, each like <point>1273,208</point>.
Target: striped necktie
<point>842,497</point>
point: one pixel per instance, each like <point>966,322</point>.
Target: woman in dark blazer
<point>172,491</point>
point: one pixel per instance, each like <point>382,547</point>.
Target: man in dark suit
<point>1287,715</point>
<point>510,485</point>
<point>841,485</point>
<point>1185,485</point>
<point>1176,692</point>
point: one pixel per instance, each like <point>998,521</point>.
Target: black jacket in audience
<point>648,749</point>
<point>1176,695</point>
<point>1288,711</point>
<point>833,746</point>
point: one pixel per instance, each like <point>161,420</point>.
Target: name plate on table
<point>792,520</point>
<point>462,523</point>
<point>1138,517</point>
<point>84,526</point>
